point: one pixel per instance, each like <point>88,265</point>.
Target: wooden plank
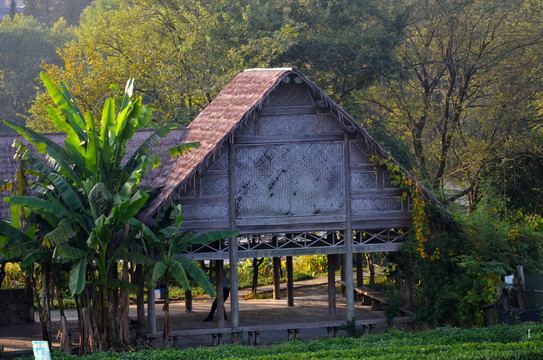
<point>218,200</point>
<point>372,248</point>
<point>382,221</point>
<point>287,138</point>
<point>249,254</point>
<point>264,228</point>
<point>289,220</point>
<point>201,226</point>
<point>277,327</point>
<point>375,193</point>
<point>294,110</point>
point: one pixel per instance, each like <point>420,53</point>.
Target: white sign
<point>41,350</point>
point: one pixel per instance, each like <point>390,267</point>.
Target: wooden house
<point>290,170</point>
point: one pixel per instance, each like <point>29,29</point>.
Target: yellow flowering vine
<point>412,189</point>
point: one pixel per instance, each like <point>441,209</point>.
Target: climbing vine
<point>412,189</point>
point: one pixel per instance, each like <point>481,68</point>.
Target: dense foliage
<point>451,88</point>
<point>499,342</point>
<point>80,226</point>
<point>24,45</point>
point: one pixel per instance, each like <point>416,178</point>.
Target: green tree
<point>459,94</point>
<point>24,45</point>
<point>88,201</point>
<point>183,53</point>
<point>49,12</point>
<point>168,242</point>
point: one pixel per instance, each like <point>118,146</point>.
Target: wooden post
<point>349,288</point>
<point>371,268</point>
<point>234,295</point>
<point>151,313</point>
<point>342,273</point>
<point>233,243</point>
<point>348,263</point>
<point>220,296</point>
<point>188,301</point>
<point>332,314</point>
<point>276,278</point>
<point>290,282</point>
<point>359,270</point>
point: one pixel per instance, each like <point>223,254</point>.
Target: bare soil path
<point>310,305</point>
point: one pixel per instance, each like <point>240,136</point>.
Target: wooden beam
<point>290,282</point>
<point>288,138</point>
<point>332,313</point>
<point>276,278</point>
<point>291,110</point>
<point>293,220</point>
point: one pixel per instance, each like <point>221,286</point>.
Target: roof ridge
<point>269,69</point>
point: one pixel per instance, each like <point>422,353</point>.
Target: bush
<point>502,342</point>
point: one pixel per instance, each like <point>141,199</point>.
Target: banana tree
<point>88,194</point>
<point>169,242</point>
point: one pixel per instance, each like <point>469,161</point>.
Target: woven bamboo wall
<point>289,174</point>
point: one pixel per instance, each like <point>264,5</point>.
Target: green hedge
<point>502,342</point>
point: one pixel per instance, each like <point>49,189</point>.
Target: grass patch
<point>499,342</point>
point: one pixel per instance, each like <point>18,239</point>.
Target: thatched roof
<point>8,165</point>
<point>236,103</point>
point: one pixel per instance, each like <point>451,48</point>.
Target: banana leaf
<point>77,277</point>
<point>156,272</point>
<point>39,205</point>
<point>197,275</point>
<point>179,274</point>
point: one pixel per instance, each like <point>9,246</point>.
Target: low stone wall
<point>13,306</point>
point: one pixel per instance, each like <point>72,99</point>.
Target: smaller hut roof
<point>9,165</point>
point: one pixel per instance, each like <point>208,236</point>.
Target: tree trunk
<point>43,326</point>
<point>359,270</point>
<point>256,266</point>
<point>371,267</point>
<point>166,309</point>
<point>2,273</point>
<point>408,284</point>
<point>80,324</point>
<point>124,307</point>
<point>64,336</point>
<point>140,300</point>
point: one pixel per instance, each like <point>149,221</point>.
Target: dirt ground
<point>310,305</point>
